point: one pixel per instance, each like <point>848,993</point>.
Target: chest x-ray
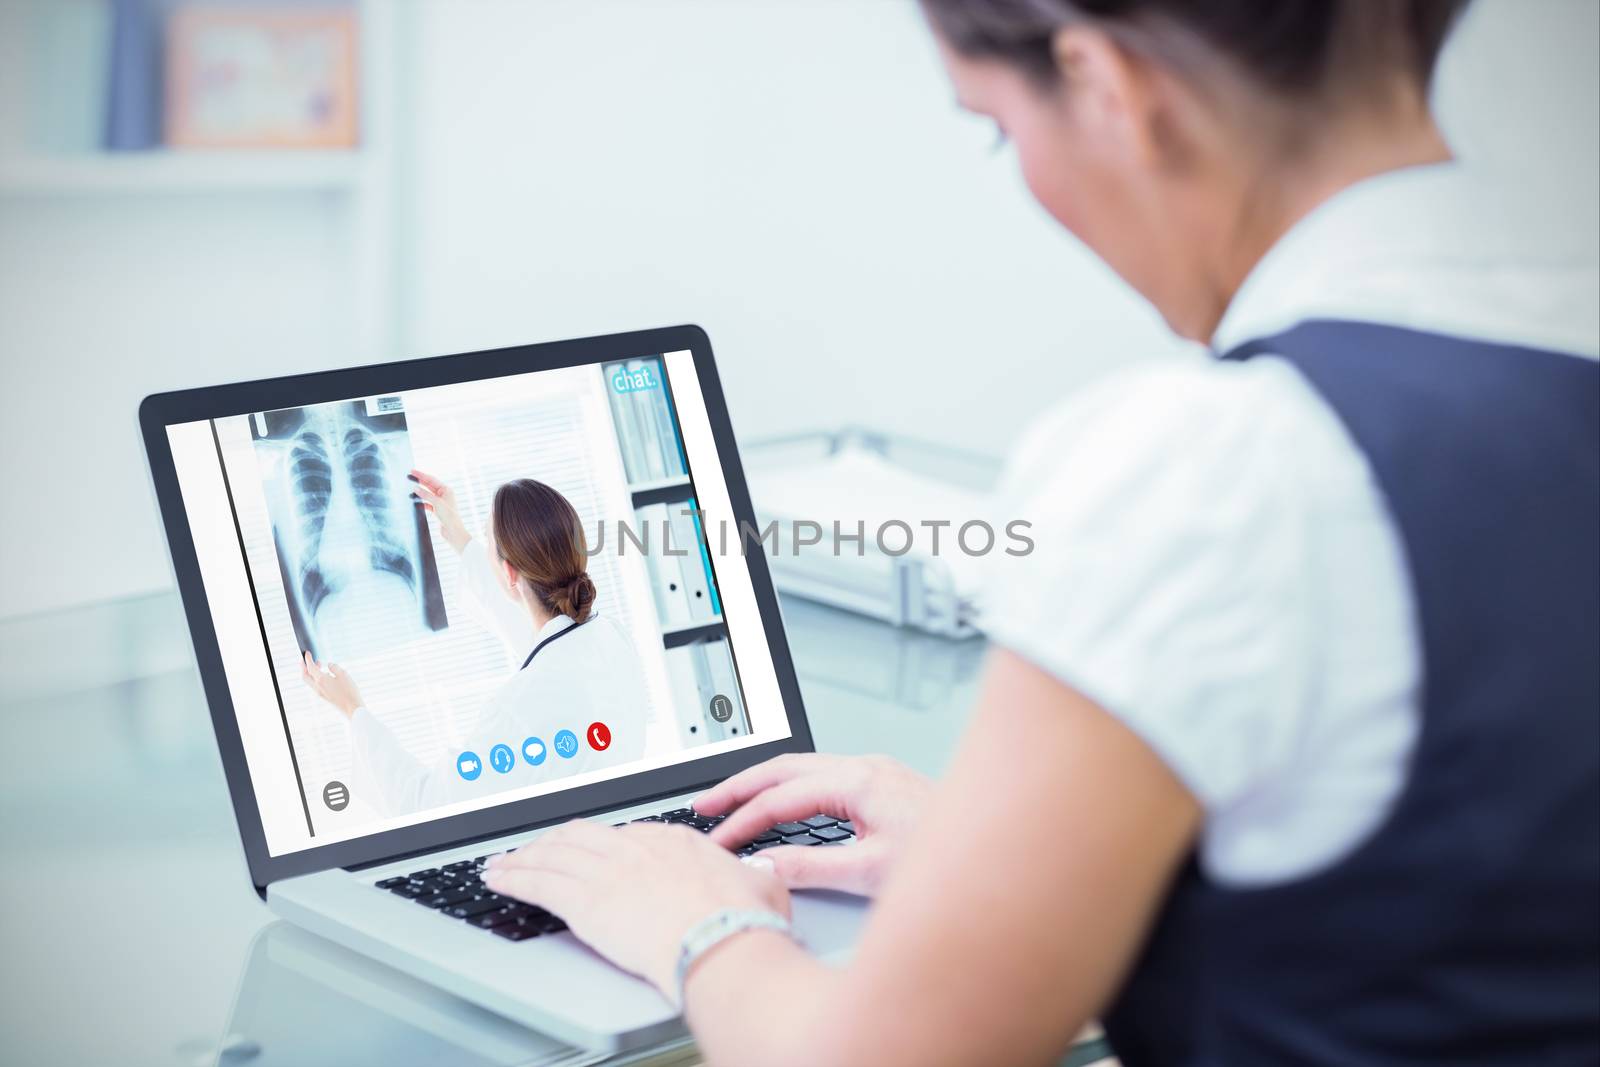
<point>352,545</point>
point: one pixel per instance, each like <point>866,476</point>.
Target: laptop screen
<point>581,613</point>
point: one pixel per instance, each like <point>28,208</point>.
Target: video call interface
<point>312,538</point>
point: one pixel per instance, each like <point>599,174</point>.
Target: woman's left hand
<point>330,682</point>
<point>632,892</point>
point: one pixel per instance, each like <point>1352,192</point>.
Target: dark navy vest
<point>1466,930</point>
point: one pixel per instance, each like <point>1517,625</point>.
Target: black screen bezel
<point>161,410</point>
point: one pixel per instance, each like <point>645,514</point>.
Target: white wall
<point>794,177</point>
<point>105,299</point>
<point>791,174</point>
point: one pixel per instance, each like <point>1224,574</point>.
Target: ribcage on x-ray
<point>345,527</point>
<point>311,475</point>
<point>313,479</point>
<point>370,485</point>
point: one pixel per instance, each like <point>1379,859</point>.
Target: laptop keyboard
<point>456,889</point>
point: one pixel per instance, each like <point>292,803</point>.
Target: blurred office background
<point>791,174</point>
<point>193,193</point>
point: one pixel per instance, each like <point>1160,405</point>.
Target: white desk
<point>130,932</point>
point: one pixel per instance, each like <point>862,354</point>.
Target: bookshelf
<point>683,592</point>
<point>659,491</point>
<point>24,173</point>
<point>678,636</point>
<point>195,265</point>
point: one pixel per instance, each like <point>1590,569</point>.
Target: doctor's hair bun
<point>1301,49</point>
<point>538,532</point>
<point>575,599</point>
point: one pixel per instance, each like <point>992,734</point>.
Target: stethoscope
<point>553,637</point>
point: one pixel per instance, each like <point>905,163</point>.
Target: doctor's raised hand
<point>330,682</point>
<point>881,796</point>
<point>440,501</point>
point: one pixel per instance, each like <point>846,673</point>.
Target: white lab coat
<point>589,676</point>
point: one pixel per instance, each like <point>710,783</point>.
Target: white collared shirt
<point>586,677</point>
<point>1215,562</point>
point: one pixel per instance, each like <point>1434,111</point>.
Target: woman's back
<point>1365,688</point>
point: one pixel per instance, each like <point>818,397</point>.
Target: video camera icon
<point>469,766</point>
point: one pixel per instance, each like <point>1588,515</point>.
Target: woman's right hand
<point>440,500</point>
<point>882,797</point>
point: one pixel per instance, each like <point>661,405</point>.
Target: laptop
<point>292,515</point>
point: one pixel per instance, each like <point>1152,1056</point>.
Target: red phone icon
<point>599,736</point>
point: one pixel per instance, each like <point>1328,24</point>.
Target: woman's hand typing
<point>631,893</point>
<point>882,797</point>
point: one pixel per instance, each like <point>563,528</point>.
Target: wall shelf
<point>182,172</point>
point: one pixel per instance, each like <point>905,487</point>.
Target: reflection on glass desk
<point>303,1000</point>
<point>131,936</point>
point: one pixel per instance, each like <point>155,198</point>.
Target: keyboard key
<point>677,811</point>
<point>848,825</point>
<point>515,931</point>
<point>760,845</point>
<point>817,822</point>
<point>406,889</point>
<point>460,865</point>
<point>831,833</point>
<point>787,828</point>
<point>390,883</point>
<point>476,906</point>
<point>445,900</point>
<point>500,917</point>
<point>800,839</point>
<point>427,872</point>
<point>767,835</point>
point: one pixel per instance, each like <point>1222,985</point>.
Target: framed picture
<point>261,77</point>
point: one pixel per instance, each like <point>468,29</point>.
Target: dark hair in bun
<point>538,532</point>
<point>576,598</point>
<point>1299,48</point>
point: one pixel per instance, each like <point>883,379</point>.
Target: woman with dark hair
<point>530,586</point>
<point>1289,750</point>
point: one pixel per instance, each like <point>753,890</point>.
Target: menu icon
<point>336,796</point>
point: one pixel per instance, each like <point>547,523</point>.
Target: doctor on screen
<point>577,702</point>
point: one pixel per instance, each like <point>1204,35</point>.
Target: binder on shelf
<point>627,435</point>
<point>694,565</point>
<point>649,442</point>
<point>724,686</point>
<point>666,576</point>
<point>634,461</point>
<point>656,412</point>
<point>647,433</point>
<point>133,111</point>
<point>690,684</point>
